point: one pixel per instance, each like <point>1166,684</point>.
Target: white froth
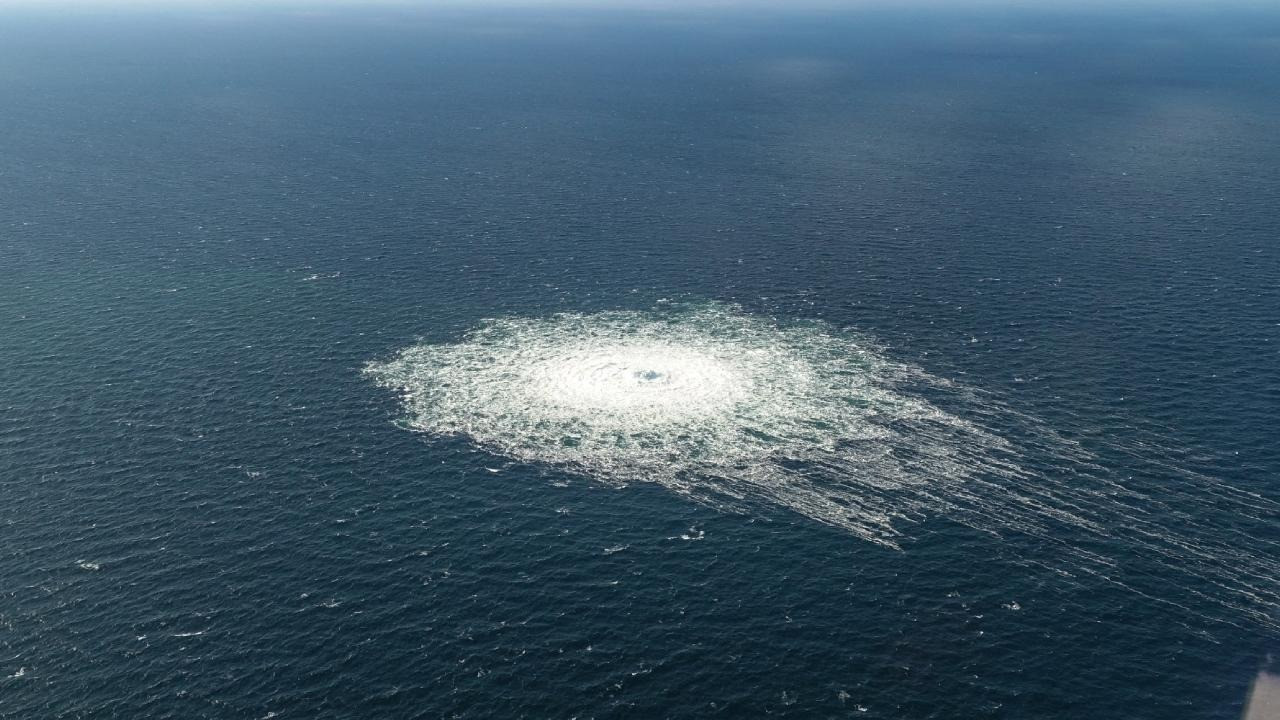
<point>740,412</point>
<point>708,402</point>
<point>635,383</point>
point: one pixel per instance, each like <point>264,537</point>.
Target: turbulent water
<point>709,402</point>
<point>740,411</point>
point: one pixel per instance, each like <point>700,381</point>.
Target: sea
<point>625,361</point>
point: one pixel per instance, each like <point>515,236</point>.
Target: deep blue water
<point>210,221</point>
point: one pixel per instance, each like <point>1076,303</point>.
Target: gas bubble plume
<point>742,412</point>
<point>709,402</point>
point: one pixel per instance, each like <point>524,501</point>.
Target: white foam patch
<point>738,411</point>
<point>710,403</point>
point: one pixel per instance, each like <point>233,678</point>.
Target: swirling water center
<point>641,382</point>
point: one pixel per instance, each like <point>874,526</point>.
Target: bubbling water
<point>637,382</point>
<point>740,412</point>
<point>709,402</point>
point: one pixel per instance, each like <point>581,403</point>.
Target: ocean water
<point>552,363</point>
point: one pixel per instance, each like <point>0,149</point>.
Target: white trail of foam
<point>736,411</point>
